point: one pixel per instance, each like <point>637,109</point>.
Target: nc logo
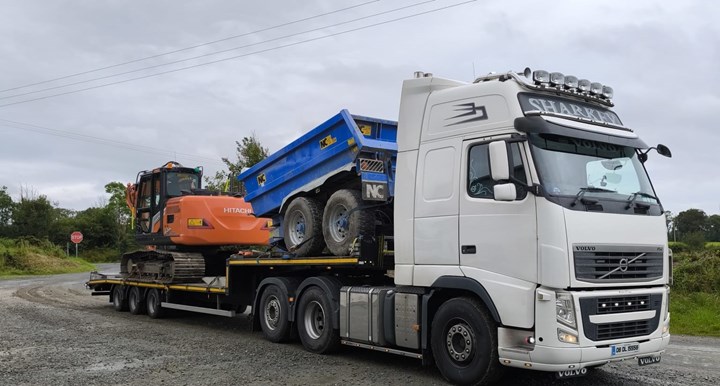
<point>374,191</point>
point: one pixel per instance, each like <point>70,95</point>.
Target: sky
<point>661,58</point>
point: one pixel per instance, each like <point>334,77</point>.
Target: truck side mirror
<point>505,192</point>
<point>499,163</point>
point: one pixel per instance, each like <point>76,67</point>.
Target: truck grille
<point>372,165</point>
<point>625,304</point>
<point>622,330</point>
<point>604,263</point>
<point>615,304</point>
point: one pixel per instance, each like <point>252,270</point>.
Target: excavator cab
<point>152,191</point>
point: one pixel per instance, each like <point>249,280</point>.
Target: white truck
<point>505,222</point>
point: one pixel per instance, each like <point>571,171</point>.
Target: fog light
<point>567,337</point>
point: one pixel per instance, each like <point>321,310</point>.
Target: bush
<point>29,255</point>
<point>695,241</point>
<point>678,246</point>
<point>697,272</point>
<point>101,255</point>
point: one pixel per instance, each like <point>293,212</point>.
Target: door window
<point>479,180</point>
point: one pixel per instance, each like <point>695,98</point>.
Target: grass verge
<point>695,313</point>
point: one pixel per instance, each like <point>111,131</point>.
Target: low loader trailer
<point>505,222</point>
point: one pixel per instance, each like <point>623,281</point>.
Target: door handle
<point>467,249</point>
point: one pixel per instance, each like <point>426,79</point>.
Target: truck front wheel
<point>274,310</point>
<point>302,226</point>
<point>464,343</point>
<point>344,221</point>
<point>315,322</point>
<point>136,303</point>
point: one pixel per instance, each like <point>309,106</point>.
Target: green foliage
<point>33,216</point>
<point>690,221</point>
<point>249,151</point>
<point>29,255</point>
<point>6,211</point>
<point>102,255</point>
<point>695,313</point>
<point>713,228</point>
<point>697,271</point>
<point>678,247</point>
<point>695,241</point>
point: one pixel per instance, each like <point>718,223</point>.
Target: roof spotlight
<point>571,81</point>
<point>541,76</point>
<point>584,85</point>
<point>607,92</point>
<point>596,88</point>
<point>557,78</point>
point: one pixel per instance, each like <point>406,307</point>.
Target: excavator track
<point>163,266</point>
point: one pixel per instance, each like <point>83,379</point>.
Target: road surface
<point>53,332</point>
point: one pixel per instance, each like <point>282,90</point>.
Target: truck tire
<point>464,343</point>
<point>120,302</point>
<point>303,226</point>
<point>315,322</point>
<point>343,223</point>
<point>153,300</point>
<point>136,303</point>
<point>274,311</point>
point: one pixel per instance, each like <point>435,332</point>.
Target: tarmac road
<point>53,332</point>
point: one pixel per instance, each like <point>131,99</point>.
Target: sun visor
<point>551,125</point>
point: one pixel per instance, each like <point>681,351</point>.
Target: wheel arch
<point>330,285</point>
<point>288,286</point>
<point>448,287</point>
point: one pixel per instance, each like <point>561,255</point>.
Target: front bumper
<point>545,358</point>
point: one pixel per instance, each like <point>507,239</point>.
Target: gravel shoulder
<point>53,332</point>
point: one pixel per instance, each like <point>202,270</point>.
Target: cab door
<point>498,239</point>
<point>149,205</point>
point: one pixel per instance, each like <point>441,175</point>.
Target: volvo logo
<point>584,248</point>
<point>624,264</point>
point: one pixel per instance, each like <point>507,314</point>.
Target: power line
<point>104,141</point>
<point>192,47</point>
<point>245,55</point>
<point>216,52</point>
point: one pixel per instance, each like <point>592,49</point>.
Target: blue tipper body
<point>367,146</point>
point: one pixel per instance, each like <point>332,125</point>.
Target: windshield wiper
<point>634,196</point>
<point>582,191</point>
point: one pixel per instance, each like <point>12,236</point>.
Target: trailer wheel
<point>343,223</point>
<point>315,322</point>
<point>136,303</point>
<point>120,303</point>
<point>302,226</point>
<point>154,309</point>
<point>464,343</point>
<point>274,310</point>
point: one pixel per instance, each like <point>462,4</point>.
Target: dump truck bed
<point>337,145</point>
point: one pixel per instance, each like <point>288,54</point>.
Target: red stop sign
<point>76,237</point>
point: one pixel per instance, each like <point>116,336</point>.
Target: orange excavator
<point>187,230</point>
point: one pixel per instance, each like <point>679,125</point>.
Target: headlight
<point>564,309</point>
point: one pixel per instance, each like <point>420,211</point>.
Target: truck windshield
<point>583,168</point>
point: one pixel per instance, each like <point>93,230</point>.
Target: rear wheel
<point>343,222</point>
<point>154,309</point>
<point>464,343</point>
<point>274,310</point>
<point>302,227</point>
<point>315,322</point>
<point>136,303</point>
<point>120,303</point>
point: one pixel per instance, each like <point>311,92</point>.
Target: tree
<point>713,228</point>
<point>249,151</point>
<point>691,221</point>
<point>33,216</point>
<point>7,205</point>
